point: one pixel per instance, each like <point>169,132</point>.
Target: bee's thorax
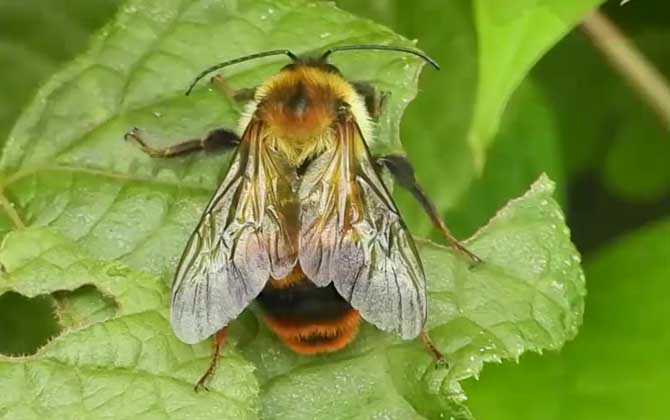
<point>300,106</point>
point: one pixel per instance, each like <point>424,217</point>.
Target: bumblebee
<point>302,222</point>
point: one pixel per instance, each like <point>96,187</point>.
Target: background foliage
<point>571,117</point>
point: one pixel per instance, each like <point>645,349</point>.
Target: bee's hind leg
<point>219,340</point>
<point>218,140</point>
<point>403,173</point>
<point>440,360</point>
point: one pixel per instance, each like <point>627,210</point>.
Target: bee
<point>302,222</point>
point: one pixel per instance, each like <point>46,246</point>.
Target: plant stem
<point>627,59</point>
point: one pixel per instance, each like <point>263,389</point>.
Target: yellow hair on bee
<point>299,106</point>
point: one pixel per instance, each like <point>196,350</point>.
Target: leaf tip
<point>543,184</point>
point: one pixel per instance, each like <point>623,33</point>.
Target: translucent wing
<point>352,234</point>
<point>246,234</point>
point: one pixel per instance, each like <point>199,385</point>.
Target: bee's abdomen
<point>307,318</point>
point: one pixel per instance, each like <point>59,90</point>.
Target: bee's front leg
<point>217,140</point>
<point>403,173</point>
<point>239,96</point>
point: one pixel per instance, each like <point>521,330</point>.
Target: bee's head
<point>302,100</point>
<point>320,62</point>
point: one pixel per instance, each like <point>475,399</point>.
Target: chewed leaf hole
<point>26,324</point>
<point>83,306</point>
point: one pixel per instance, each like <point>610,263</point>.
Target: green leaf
<point>636,167</point>
<point>129,366</point>
<point>106,226</point>
<point>83,306</point>
<point>35,37</point>
<point>582,134</point>
<point>617,367</point>
<point>528,295</point>
<point>436,125</point>
<point>527,145</point>
<point>641,141</point>
<point>512,36</point>
<point>434,129</point>
<point>620,133</point>
<point>72,140</point>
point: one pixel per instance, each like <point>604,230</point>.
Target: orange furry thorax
<point>299,110</point>
<point>299,106</point>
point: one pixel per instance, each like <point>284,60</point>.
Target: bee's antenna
<point>239,60</point>
<point>418,53</point>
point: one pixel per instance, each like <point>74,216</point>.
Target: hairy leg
<point>239,96</point>
<point>217,140</point>
<point>219,340</point>
<point>403,173</point>
<point>430,348</point>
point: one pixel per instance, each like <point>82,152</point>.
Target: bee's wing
<point>247,233</point>
<point>352,234</point>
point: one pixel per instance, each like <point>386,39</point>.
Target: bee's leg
<point>375,100</point>
<point>220,139</point>
<point>430,348</point>
<point>219,340</point>
<point>403,173</point>
<point>239,96</point>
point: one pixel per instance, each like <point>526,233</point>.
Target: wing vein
<point>351,234</point>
